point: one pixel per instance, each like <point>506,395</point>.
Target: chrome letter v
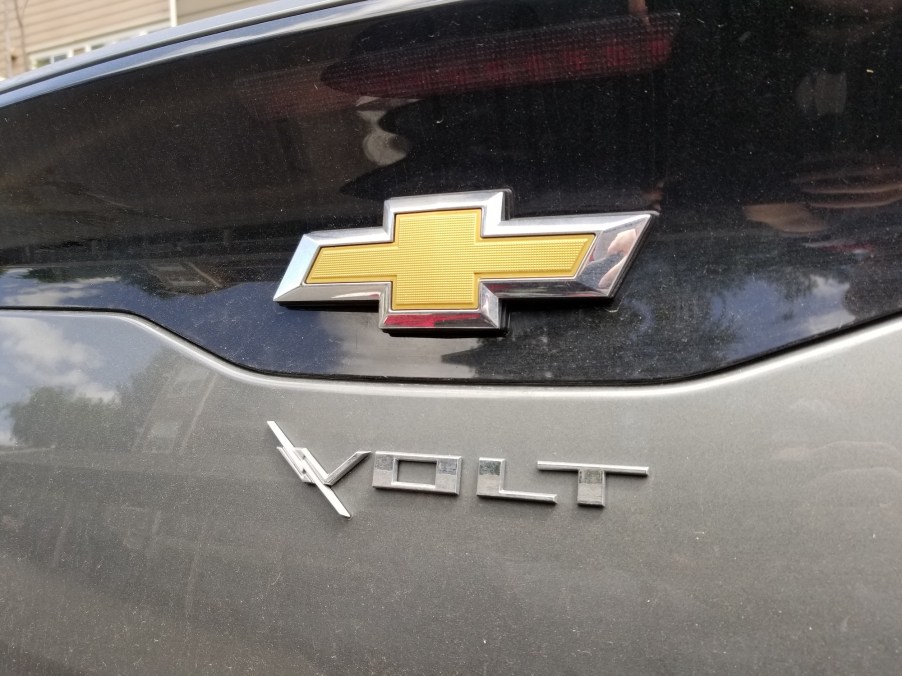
<point>310,471</point>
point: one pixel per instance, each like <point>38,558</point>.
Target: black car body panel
<point>177,191</point>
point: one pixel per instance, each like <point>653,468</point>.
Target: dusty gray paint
<point>766,538</point>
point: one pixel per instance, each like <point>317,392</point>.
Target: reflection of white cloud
<point>44,357</point>
<point>828,288</point>
<point>828,322</point>
<point>54,294</point>
<point>828,293</point>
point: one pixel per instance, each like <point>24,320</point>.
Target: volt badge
<point>491,482</point>
<point>448,261</point>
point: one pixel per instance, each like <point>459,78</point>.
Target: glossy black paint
<point>766,135</point>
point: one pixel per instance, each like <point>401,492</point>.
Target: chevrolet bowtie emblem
<point>445,261</point>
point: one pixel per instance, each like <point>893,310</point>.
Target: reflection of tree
<point>54,415</point>
<point>163,278</point>
<point>694,302</point>
<point>132,274</point>
<point>57,275</point>
<point>594,344</point>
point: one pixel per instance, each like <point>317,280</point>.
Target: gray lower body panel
<point>148,522</point>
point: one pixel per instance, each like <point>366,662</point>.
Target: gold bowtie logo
<point>438,259</point>
<point>445,261</point>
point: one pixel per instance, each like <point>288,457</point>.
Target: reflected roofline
<point>227,30</point>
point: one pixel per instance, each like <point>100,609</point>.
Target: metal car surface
<point>700,474</point>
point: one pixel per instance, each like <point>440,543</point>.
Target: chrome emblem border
<point>490,314</point>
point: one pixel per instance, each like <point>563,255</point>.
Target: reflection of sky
<point>83,356</point>
<point>777,321</point>
<point>239,322</point>
<point>54,294</point>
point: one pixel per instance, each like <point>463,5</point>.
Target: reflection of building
<point>54,30</point>
<point>184,277</point>
<point>169,422</point>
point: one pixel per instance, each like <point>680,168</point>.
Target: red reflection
<point>427,321</point>
<point>604,48</point>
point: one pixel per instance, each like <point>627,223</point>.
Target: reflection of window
<point>162,436</point>
<point>132,524</point>
<point>189,382</point>
<point>45,58</point>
